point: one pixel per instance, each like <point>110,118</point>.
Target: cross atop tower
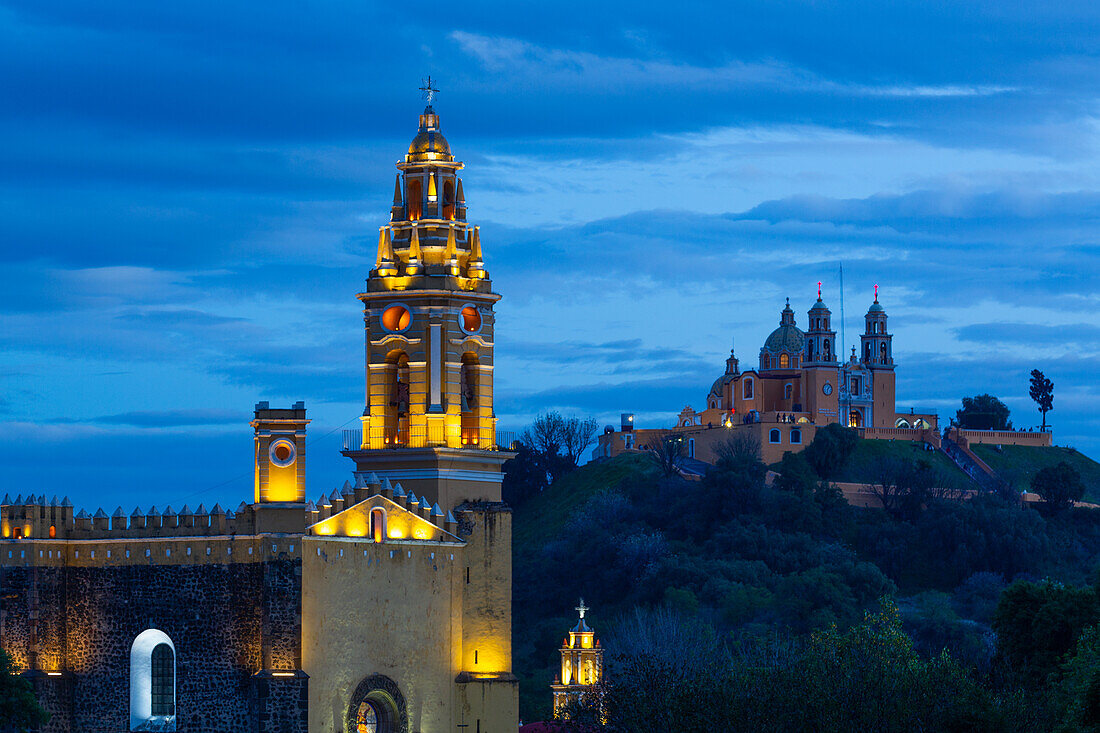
<point>428,90</point>
<point>581,608</point>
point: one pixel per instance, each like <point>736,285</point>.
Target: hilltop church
<point>383,607</point>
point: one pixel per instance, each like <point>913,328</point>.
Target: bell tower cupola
<point>876,346</point>
<point>820,337</point>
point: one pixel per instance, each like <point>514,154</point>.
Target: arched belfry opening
<point>414,199</point>
<point>399,376</point>
<point>378,524</point>
<point>449,200</point>
<point>468,389</point>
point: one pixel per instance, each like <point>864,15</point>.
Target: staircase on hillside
<point>974,467</point>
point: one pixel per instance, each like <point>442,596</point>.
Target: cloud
<point>579,69</point>
<point>173,419</point>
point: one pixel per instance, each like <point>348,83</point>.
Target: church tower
<point>428,314</point>
<point>581,666</point>
<point>408,587</point>
<point>821,365</point>
<point>876,348</point>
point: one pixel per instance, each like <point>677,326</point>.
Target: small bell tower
<point>581,665</point>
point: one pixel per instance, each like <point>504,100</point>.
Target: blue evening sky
<point>190,195</point>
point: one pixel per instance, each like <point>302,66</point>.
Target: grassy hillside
<point>542,517</point>
<point>1018,463</point>
<point>863,464</point>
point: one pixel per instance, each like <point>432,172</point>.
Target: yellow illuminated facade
<point>389,596</point>
<point>581,665</point>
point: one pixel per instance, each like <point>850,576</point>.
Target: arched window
<point>164,681</point>
<point>691,447</point>
<point>796,437</point>
<point>867,351</point>
<point>788,390</point>
<point>901,422</point>
<point>784,361</point>
<point>152,682</point>
<point>882,350</point>
<point>809,351</point>
<point>774,436</point>
<point>53,531</point>
<point>746,388</point>
<point>378,524</point>
<point>766,362</point>
<point>826,350</point>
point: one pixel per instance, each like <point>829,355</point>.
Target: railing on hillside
<point>926,435</point>
<point>428,437</point>
<point>1008,437</point>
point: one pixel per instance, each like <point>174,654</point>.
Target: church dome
<point>787,338</point>
<point>876,307</point>
<point>819,306</point>
<point>429,143</point>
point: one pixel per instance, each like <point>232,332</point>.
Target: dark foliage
<point>19,711</point>
<point>983,412</point>
<point>830,449</point>
<point>1059,485</point>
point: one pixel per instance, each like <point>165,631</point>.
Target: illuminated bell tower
<point>581,665</point>
<point>428,313</point>
<point>877,354</point>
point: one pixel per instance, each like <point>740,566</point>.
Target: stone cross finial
<point>428,90</point>
<point>581,608</point>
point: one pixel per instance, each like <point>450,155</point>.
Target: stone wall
<point>225,621</point>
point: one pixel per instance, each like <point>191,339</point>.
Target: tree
<point>830,449</point>
<point>19,711</point>
<point>903,487</point>
<point>525,475</point>
<point>983,412</point>
<point>668,447</point>
<point>1037,624</point>
<point>559,441</point>
<point>1042,391</point>
<point>795,474</point>
<point>1059,485</point>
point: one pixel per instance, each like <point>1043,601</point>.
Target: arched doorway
<point>377,706</point>
<point>855,419</point>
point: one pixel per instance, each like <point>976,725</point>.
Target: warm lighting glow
<point>471,319</point>
<point>396,318</point>
<point>53,674</point>
<point>282,674</point>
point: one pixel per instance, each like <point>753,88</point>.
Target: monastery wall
<point>230,623</point>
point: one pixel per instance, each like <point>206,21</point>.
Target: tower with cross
<point>581,665</point>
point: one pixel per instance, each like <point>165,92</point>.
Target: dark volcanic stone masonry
<point>227,623</point>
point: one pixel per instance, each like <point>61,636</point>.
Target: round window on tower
<point>282,453</point>
<point>396,318</point>
<point>470,319</point>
